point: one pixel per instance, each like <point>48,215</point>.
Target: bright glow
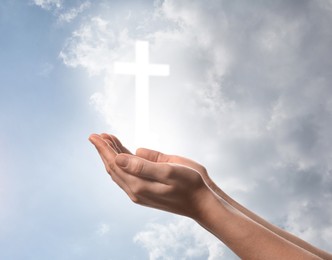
<point>142,70</point>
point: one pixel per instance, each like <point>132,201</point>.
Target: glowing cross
<point>142,70</point>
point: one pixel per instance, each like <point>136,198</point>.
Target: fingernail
<point>122,160</point>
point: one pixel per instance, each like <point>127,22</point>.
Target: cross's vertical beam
<point>141,69</point>
<point>142,123</point>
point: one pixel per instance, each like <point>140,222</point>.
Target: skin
<point>182,186</point>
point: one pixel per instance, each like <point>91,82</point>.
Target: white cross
<point>142,70</point>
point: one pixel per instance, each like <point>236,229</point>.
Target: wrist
<point>212,208</point>
<point>221,219</point>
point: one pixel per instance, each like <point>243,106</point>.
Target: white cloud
<point>94,46</point>
<point>49,4</point>
<point>46,69</point>
<point>180,239</point>
<point>103,229</point>
<point>71,14</point>
<point>62,12</point>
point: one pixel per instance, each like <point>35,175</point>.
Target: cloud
<point>103,229</point>
<point>46,69</point>
<point>48,4</point>
<point>73,13</point>
<point>94,46</point>
<point>248,95</point>
<point>311,227</point>
<point>62,12</point>
<point>179,239</point>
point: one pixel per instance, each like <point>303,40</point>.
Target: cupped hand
<point>168,186</point>
<point>158,157</point>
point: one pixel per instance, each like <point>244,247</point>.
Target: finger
<point>104,149</point>
<point>143,168</point>
<point>110,143</point>
<point>162,173</point>
<point>156,156</point>
<point>144,191</point>
<point>116,142</point>
<point>152,155</point>
<point>119,144</point>
<point>107,155</point>
<point>108,139</point>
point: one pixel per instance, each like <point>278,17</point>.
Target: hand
<point>167,186</point>
<point>158,157</point>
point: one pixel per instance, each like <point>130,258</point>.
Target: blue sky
<point>249,96</point>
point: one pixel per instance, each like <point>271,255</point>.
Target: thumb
<point>140,167</point>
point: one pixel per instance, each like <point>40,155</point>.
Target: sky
<point>249,95</point>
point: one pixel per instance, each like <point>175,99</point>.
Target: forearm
<point>286,235</point>
<point>245,237</point>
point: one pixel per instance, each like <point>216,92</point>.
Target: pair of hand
<point>150,178</point>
